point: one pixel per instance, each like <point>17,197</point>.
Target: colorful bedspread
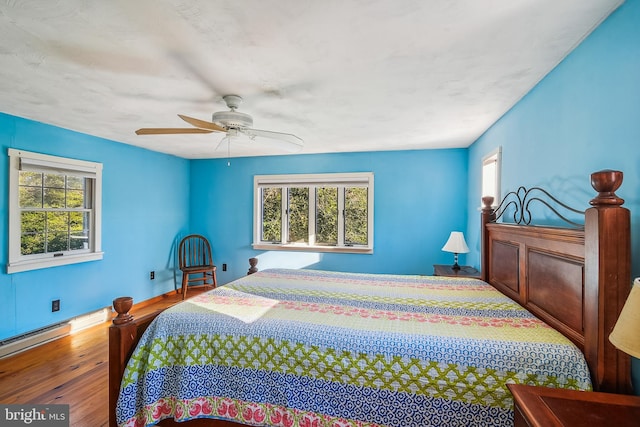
<point>316,348</point>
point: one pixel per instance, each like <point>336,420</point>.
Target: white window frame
<point>22,160</point>
<point>340,180</point>
<point>491,178</point>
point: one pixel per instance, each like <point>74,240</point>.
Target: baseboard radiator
<point>40,336</point>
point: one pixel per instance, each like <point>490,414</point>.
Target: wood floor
<point>70,370</point>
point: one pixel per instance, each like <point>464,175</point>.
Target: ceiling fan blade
<point>202,124</point>
<point>286,141</point>
<point>170,131</point>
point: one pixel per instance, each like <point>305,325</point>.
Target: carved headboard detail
<point>576,278</point>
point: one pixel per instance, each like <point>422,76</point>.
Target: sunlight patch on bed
<point>245,307</point>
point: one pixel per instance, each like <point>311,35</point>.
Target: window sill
<point>20,266</point>
<point>308,248</point>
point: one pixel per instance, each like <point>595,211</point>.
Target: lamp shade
<point>456,243</point>
<point>626,334</point>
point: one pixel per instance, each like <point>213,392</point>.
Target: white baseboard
<point>40,336</point>
<point>31,339</point>
<point>90,319</point>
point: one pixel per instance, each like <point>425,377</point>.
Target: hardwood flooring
<point>70,370</point>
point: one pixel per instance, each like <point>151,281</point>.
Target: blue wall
<point>582,117</point>
<point>419,198</point>
<point>145,208</point>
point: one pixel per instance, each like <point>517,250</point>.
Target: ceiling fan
<point>233,123</point>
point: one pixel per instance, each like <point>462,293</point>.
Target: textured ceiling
<point>348,75</point>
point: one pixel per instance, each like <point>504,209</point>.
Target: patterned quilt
<point>316,348</point>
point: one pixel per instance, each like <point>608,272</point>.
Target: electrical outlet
<point>55,305</point>
<point>152,275</point>
<point>224,267</point>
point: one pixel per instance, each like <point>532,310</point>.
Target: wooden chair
<point>194,259</point>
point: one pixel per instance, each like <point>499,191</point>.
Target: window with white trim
<point>54,211</point>
<point>314,212</point>
<point>491,165</point>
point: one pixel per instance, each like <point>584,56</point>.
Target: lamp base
<point>455,266</point>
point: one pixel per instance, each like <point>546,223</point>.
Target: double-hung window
<point>54,211</point>
<point>314,212</point>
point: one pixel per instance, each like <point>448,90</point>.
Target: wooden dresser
<point>551,407</point>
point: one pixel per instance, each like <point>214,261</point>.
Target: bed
<point>302,347</point>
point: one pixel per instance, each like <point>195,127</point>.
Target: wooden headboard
<point>576,279</point>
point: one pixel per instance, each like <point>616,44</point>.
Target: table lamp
<point>457,245</point>
<point>626,333</point>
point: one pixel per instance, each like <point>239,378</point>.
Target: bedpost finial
<point>606,182</point>
<point>487,202</point>
<point>122,305</point>
<point>252,263</point>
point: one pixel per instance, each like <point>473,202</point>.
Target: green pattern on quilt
<point>368,370</point>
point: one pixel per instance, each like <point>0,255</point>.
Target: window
<point>54,211</point>
<point>319,212</point>
<point>491,165</point>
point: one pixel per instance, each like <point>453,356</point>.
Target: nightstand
<point>446,270</point>
<point>549,407</point>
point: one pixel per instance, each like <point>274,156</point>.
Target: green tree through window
<point>55,211</point>
<point>53,215</point>
<point>327,216</point>
<point>355,212</point>
<point>272,214</point>
<point>298,214</point>
<point>318,211</point>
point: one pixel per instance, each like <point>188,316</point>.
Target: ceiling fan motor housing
<point>232,119</point>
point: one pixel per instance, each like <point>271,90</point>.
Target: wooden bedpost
<point>607,281</point>
<point>488,215</point>
<point>120,335</point>
<point>124,334</point>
